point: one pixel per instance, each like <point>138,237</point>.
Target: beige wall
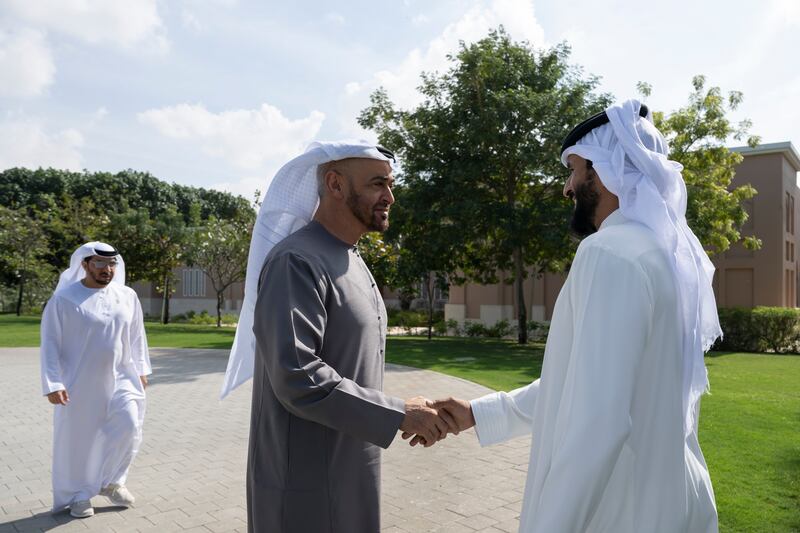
<point>767,276</point>
<point>489,303</point>
<point>180,304</point>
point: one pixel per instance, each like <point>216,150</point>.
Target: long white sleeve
<point>501,416</point>
<point>140,354</point>
<point>50,348</point>
<point>612,311</point>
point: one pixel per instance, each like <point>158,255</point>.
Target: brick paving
<point>189,474</point>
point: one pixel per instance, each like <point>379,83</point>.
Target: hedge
<point>761,329</point>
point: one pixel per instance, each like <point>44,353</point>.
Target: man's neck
<point>607,205</point>
<point>339,224</point>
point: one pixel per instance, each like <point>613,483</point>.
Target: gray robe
<point>318,417</point>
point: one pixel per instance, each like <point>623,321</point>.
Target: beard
<point>373,217</point>
<point>101,278</point>
<point>586,200</point>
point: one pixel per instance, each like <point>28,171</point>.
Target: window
<point>789,214</point>
<point>194,282</point>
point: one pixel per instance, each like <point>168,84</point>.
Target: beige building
<point>193,292</point>
<point>744,278</point>
<point>767,276</point>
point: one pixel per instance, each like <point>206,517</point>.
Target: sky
<point>220,93</point>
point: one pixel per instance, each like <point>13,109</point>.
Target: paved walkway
<point>189,475</point>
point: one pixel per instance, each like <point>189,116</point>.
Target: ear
<point>334,183</point>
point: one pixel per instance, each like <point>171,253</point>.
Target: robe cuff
<point>489,419</point>
<point>53,386</point>
<point>144,369</point>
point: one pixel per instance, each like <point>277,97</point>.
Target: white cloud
<point>336,18</point>
<point>25,143</point>
<point>352,88</point>
<point>420,20</point>
<point>190,20</point>
<point>252,139</point>
<point>123,23</point>
<point>26,63</point>
<point>517,16</point>
<point>245,187</point>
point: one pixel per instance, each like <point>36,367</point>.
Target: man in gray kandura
<point>319,418</point>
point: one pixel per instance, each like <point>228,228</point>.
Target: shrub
<point>778,328</point>
<point>454,326</point>
<point>474,329</point>
<point>500,329</point>
<point>537,331</point>
<point>761,329</point>
<point>411,319</point>
<point>440,328</point>
<point>738,330</point>
<point>202,318</point>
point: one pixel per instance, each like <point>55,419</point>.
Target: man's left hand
<point>144,381</point>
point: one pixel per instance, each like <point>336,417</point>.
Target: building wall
<point>490,303</point>
<point>190,294</point>
<point>767,276</point>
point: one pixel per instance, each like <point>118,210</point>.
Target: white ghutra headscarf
<point>630,157</point>
<point>75,272</point>
<point>290,203</point>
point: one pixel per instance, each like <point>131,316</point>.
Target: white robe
<point>93,346</point>
<point>608,451</point>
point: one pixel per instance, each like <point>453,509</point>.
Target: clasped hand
<point>430,421</point>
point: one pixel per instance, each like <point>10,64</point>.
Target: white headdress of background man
<point>76,272</point>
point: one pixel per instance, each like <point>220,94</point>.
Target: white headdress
<point>630,157</point>
<point>290,203</point>
<point>75,272</point>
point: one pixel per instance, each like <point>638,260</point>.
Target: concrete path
<point>189,475</point>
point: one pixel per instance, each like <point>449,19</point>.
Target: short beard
<point>365,215</point>
<point>101,281</point>
<point>586,201</point>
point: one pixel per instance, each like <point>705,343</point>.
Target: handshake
<point>429,421</point>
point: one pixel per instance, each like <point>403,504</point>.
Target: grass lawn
<point>24,331</point>
<point>750,424</point>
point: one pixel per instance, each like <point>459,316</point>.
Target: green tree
<point>380,258</point>
<point>698,134</point>
<point>424,258</point>
<point>23,253</point>
<point>481,153</point>
<point>152,247</point>
<point>221,248</point>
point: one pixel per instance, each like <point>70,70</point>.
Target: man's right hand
<point>424,421</point>
<point>59,397</point>
<point>457,413</point>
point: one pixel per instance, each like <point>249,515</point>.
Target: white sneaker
<point>118,495</point>
<point>81,509</point>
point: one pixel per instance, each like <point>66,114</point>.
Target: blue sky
<point>219,93</point>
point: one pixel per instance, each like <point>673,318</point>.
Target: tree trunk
<point>430,306</point>
<point>219,308</point>
<point>165,301</point>
<point>19,295</point>
<point>522,314</point>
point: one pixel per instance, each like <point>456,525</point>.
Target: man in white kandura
<point>94,367</point>
<point>614,415</point>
